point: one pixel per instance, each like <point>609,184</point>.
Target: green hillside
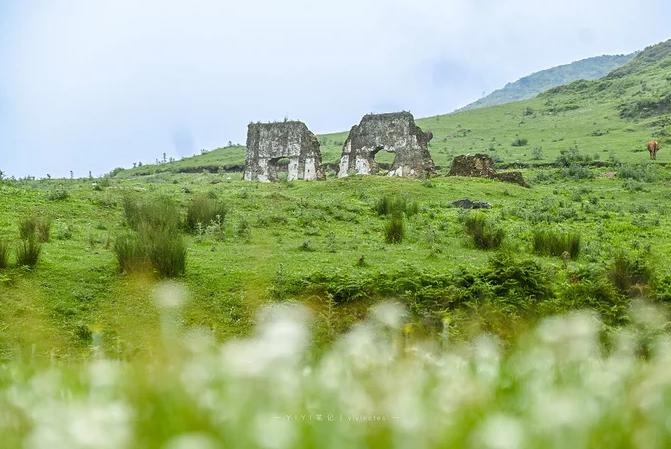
<point>532,85</point>
<point>172,306</point>
<point>609,119</point>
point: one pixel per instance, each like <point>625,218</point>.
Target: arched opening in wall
<point>278,168</point>
<point>383,158</point>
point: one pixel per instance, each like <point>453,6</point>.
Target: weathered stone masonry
<point>396,133</point>
<point>268,143</point>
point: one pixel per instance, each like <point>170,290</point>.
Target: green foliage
<point>43,229</point>
<point>515,278</point>
<point>645,108</point>
<point>130,253</point>
<point>4,254</point>
<point>590,288</point>
<point>576,171</point>
<point>642,172</point>
<point>547,242</point>
<point>537,154</point>
<point>485,232</point>
<point>167,253</point>
<point>204,210</point>
<point>394,229</point>
<point>35,227</point>
<point>155,241</point>
<point>572,157</point>
<point>396,204</point>
<point>28,252</point>
<point>631,275</point>
<point>58,195</point>
<point>161,250</point>
<point>150,213</point>
<point>520,142</point>
<point>27,227</point>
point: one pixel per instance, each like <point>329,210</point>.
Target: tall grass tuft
<point>485,233</point>
<point>43,229</point>
<point>153,213</point>
<point>154,242</point>
<point>4,254</point>
<point>27,227</point>
<point>394,230</point>
<point>33,226</point>
<point>204,210</point>
<point>629,274</point>
<point>391,204</point>
<point>167,254</point>
<point>130,253</point>
<point>553,243</point>
<point>28,252</point>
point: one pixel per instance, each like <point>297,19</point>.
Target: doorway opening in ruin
<point>278,168</point>
<point>383,158</point>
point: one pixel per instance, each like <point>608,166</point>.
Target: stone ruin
<point>269,144</point>
<point>482,166</point>
<point>395,133</point>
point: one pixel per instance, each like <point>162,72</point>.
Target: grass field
<point>436,323</point>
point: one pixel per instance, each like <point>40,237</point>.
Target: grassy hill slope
<point>610,119</point>
<point>323,243</point>
<point>532,85</point>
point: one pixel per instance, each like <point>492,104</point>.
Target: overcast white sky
<point>95,84</point>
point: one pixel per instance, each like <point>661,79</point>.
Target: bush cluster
<point>572,156</point>
<point>394,230</point>
<point>202,211</point>
<point>630,274</point>
<point>396,204</point>
<point>154,241</point>
<point>553,243</point>
<point>485,233</point>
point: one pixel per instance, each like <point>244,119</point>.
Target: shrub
<point>391,204</point>
<point>159,213</point>
<point>204,209</point>
<point>163,251</point>
<point>167,254</point>
<point>34,226</point>
<point>515,278</point>
<point>394,230</point>
<point>642,172</point>
<point>156,241</point>
<point>244,230</point>
<point>519,142</point>
<point>27,227</point>
<point>553,243</point>
<point>537,154</point>
<point>629,274</point>
<point>570,157</point>
<point>130,253</point>
<point>43,229</point>
<point>58,195</point>
<point>577,171</point>
<point>4,254</point>
<point>28,252</point>
<point>485,234</point>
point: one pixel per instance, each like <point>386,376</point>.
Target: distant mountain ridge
<point>536,83</point>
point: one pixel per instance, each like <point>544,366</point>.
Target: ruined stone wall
<point>268,143</point>
<point>482,166</point>
<point>396,133</point>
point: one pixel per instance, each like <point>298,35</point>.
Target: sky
<point>90,85</point>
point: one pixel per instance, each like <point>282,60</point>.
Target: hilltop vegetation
<point>536,83</point>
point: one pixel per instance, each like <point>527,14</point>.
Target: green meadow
<point>137,304</point>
